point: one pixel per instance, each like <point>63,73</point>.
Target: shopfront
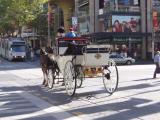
<point>122,22</point>
<point>129,45</point>
<point>120,42</point>
<point>157,41</point>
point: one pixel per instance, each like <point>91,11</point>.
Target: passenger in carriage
<point>71,33</point>
<point>60,32</point>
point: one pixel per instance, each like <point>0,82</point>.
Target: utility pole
<point>49,22</point>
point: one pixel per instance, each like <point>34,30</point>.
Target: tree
<point>16,13</point>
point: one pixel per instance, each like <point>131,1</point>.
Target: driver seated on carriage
<point>71,49</point>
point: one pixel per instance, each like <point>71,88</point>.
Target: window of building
<point>101,4</point>
<point>83,17</point>
<point>121,5</point>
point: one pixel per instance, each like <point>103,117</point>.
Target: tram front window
<point>18,48</point>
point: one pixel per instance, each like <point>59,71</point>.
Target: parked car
<point>122,60</point>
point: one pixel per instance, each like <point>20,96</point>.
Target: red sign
<point>155,20</point>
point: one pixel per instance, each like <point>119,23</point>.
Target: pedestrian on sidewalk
<point>32,54</point>
<point>157,63</point>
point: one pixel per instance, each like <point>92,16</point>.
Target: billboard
<point>156,15</point>
<point>126,23</point>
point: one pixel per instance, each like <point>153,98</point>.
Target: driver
<point>72,48</point>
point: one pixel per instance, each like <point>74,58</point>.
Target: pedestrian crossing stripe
<point>45,98</point>
<point>77,113</point>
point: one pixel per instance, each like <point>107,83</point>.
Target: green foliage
<point>16,13</point>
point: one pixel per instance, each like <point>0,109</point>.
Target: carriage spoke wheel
<point>110,78</point>
<point>79,76</point>
<point>70,78</point>
<point>51,77</point>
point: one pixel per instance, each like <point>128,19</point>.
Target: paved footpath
<point>17,104</point>
<point>23,98</point>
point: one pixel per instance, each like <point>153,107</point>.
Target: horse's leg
<point>43,75</point>
<point>46,77</point>
<point>43,79</point>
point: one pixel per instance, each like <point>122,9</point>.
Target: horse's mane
<point>46,55</point>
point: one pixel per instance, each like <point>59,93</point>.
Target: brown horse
<point>45,62</point>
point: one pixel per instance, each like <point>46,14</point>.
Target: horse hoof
<point>44,82</point>
<point>46,85</point>
<point>63,84</point>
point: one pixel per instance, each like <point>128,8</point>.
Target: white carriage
<point>84,61</point>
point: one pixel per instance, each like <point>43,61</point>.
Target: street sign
<point>74,23</point>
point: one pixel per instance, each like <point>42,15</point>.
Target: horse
<point>46,53</point>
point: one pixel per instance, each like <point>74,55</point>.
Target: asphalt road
<point>22,97</point>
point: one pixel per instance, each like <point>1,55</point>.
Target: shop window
<point>83,18</point>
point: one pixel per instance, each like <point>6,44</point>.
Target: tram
<point>13,48</point>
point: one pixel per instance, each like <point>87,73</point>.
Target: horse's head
<point>42,51</point>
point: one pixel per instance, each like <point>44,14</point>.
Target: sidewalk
<point>143,62</point>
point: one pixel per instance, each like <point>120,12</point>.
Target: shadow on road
<point>18,65</point>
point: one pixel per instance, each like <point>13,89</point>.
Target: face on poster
<point>125,23</point>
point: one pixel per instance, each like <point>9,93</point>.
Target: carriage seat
<point>96,50</point>
<point>74,49</point>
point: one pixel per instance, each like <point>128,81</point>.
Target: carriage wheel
<point>110,78</point>
<point>70,78</point>
<point>80,76</point>
<point>51,77</point>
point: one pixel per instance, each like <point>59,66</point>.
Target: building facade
<point>125,24</point>
<point>156,23</point>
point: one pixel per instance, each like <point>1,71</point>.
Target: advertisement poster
<point>156,15</point>
<point>126,23</point>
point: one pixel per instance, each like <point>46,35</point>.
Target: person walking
<point>157,63</point>
<point>32,54</point>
